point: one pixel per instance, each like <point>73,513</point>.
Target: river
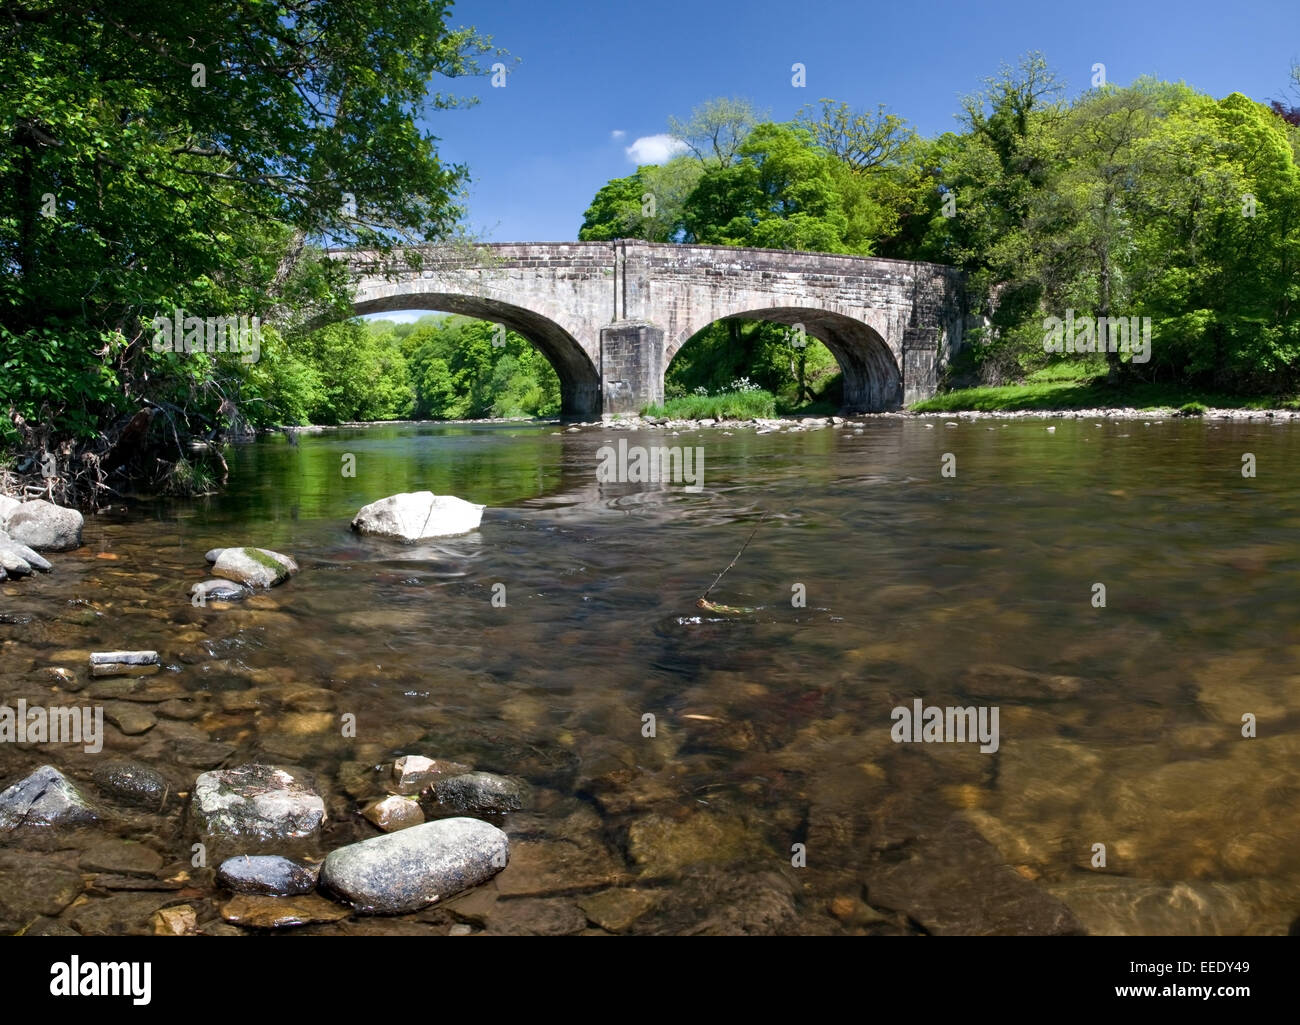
<point>768,792</point>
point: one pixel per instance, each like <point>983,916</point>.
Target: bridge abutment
<point>631,366</point>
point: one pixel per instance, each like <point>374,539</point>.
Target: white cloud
<point>617,133</point>
<point>655,149</point>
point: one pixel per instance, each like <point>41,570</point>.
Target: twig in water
<point>703,600</point>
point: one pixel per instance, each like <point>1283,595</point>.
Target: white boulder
<point>414,516</point>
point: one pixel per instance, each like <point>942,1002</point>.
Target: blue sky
<point>540,148</point>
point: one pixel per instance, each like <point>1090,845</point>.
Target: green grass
<point>729,406</point>
<point>818,407</point>
<point>1093,393</point>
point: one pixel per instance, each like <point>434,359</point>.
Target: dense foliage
<point>1147,201</point>
<point>160,156</point>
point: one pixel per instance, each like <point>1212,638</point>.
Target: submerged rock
<point>536,917</point>
<point>118,857</point>
<point>414,516</point>
<point>662,846</point>
<point>45,798</point>
<point>34,884</point>
<point>132,783</point>
<point>267,874</point>
<point>219,590</point>
<point>261,803</point>
<point>416,867</point>
<point>1011,683</point>
<point>394,813</point>
<point>18,560</point>
<point>45,527</point>
<point>615,910</point>
<point>27,555</point>
<point>280,912</point>
<point>479,791</point>
<point>181,920</point>
<point>411,773</point>
<point>130,718</point>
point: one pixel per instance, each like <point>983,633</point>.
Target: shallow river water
<point>772,796</point>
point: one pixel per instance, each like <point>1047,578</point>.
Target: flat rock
<point>46,527</point>
<point>178,708</point>
<point>1109,905</point>
<point>32,885</point>
<point>414,516</point>
<point>266,874</point>
<point>416,867</point>
<point>122,914</point>
<point>130,719</point>
<point>123,663</point>
<point>254,567</point>
<point>540,868</point>
<point>953,882</point>
<point>121,858</point>
<point>479,791</point>
<point>280,912</point>
<point>662,846</point>
<point>536,917</point>
<point>257,803</point>
<point>199,754</point>
<point>616,910</point>
<point>45,798</point>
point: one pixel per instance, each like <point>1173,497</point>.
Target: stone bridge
<point>611,315</point>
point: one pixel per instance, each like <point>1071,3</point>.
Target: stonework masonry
<point>610,316</point>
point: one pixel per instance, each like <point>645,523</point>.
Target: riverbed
<point>732,770</point>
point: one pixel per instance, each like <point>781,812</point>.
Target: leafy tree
<point>716,130</point>
<point>161,156</point>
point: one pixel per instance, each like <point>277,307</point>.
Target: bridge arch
<point>579,378</point>
<point>873,380</point>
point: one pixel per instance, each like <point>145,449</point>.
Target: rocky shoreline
<point>766,425</point>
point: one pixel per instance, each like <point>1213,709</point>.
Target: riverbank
<point>1090,394</point>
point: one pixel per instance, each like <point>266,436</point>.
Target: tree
<point>716,130</point>
<point>161,156</point>
<point>647,205</point>
<point>1219,245</point>
<point>781,194</point>
<point>863,141</point>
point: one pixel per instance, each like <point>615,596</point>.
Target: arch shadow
<point>873,381</point>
